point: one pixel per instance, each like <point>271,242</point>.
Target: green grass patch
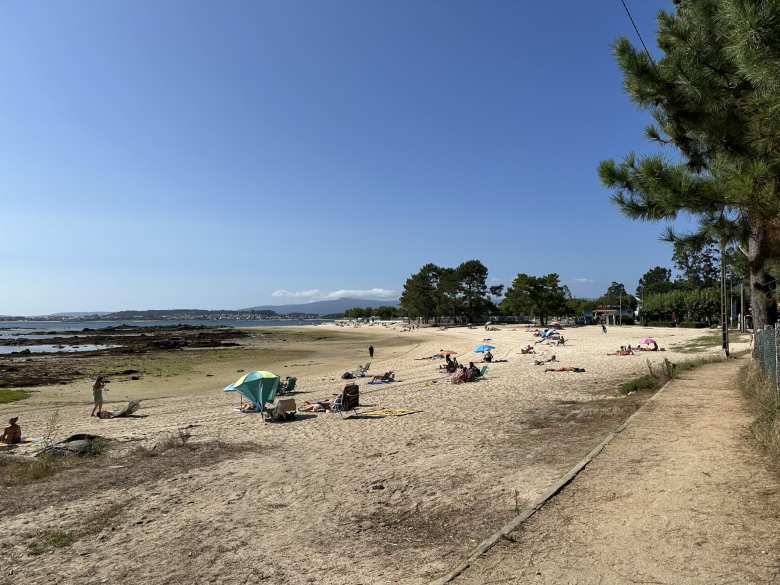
<point>708,341</point>
<point>660,374</point>
<point>51,540</point>
<point>48,540</point>
<point>12,395</point>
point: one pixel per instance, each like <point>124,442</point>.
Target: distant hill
<point>334,307</point>
<point>79,314</point>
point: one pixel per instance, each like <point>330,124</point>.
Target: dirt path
<point>679,497</point>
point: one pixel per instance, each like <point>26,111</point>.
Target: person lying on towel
<point>386,377</point>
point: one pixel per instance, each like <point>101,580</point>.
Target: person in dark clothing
<point>371,351</point>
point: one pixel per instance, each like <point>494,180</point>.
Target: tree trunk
<point>762,299</point>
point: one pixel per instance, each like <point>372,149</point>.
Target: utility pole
<point>742,306</point>
<point>723,323</point>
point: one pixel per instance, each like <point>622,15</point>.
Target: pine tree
<point>714,97</point>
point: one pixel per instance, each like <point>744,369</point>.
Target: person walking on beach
<point>371,351</point>
<point>97,394</point>
<point>603,329</point>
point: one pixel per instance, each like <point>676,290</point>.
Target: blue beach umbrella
<point>484,348</point>
<point>258,387</point>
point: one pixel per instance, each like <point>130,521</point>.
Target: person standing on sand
<point>603,329</point>
<point>97,394</point>
<point>371,351</point>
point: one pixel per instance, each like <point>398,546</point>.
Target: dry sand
<point>680,497</point>
<point>325,499</point>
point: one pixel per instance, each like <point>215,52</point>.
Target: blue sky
<point>228,154</point>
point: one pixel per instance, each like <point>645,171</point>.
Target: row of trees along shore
<point>462,294</point>
<point>715,98</point>
<point>689,293</point>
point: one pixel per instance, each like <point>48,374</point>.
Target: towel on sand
<point>383,412</point>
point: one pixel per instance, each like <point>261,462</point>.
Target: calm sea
<point>79,325</point>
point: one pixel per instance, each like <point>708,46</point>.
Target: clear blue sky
<point>228,154</point>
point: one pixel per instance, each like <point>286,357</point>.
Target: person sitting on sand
<point>459,376</point>
<point>474,371</point>
<point>12,434</point>
<point>97,394</point>
<point>527,349</point>
<point>488,357</point>
<point>578,370</point>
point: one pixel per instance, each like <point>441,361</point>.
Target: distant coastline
<point>75,325</point>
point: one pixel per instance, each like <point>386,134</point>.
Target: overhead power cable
<point>638,34</point>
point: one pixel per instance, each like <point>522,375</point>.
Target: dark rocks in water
<point>22,352</point>
<point>126,372</point>
<point>135,377</point>
<point>170,343</point>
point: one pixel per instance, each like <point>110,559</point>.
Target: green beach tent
<point>258,387</point>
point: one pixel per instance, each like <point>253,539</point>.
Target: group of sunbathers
<point>464,374</point>
<point>624,350</point>
<point>451,365</point>
<point>628,350</point>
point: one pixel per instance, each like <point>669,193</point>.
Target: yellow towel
<point>389,412</point>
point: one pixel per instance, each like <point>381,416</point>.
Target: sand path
<point>679,497</point>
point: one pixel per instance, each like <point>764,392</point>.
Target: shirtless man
<point>12,433</point>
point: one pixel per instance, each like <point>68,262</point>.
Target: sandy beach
<point>322,499</point>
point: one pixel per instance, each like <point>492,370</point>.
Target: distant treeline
<point>384,313</point>
<point>462,293</point>
<point>436,293</point>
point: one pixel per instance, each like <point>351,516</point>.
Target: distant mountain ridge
<point>331,307</point>
<point>320,308</point>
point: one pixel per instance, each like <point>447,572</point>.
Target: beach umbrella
<point>258,387</point>
<point>484,348</point>
<point>648,341</point>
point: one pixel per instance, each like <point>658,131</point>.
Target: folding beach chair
<point>289,387</point>
<point>483,372</point>
<point>360,371</point>
<point>280,409</point>
<point>348,400</point>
